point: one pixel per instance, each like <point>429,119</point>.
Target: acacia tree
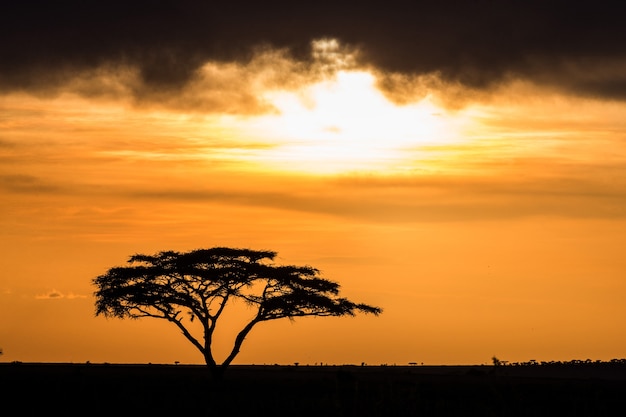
<point>200,284</point>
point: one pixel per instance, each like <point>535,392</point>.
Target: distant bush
<point>533,362</point>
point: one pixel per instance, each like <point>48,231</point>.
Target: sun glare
<point>347,124</point>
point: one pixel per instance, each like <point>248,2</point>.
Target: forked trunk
<point>215,371</point>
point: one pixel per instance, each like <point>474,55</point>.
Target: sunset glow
<point>346,124</point>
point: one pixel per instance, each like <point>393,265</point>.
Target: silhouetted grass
<point>154,390</point>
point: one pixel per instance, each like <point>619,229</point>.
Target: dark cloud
<point>572,45</point>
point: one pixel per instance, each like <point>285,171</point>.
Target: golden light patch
<point>346,124</point>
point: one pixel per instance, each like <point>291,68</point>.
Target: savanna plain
<point>576,388</point>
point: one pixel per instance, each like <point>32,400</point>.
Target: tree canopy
<point>199,284</point>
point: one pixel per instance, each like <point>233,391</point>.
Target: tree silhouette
<point>198,285</point>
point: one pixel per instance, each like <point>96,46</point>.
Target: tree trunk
<point>217,373</point>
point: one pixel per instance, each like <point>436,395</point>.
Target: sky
<point>460,164</point>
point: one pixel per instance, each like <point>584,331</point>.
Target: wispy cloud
<point>57,295</point>
<point>214,86</point>
<point>426,199</point>
<point>27,184</point>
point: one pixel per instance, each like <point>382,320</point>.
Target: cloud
<point>26,184</point>
<point>56,295</point>
<point>238,87</point>
<point>577,46</point>
<point>442,199</point>
<point>213,86</point>
<point>50,295</point>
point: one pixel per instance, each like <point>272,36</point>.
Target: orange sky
<point>484,223</point>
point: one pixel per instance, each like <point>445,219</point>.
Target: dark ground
<point>30,389</point>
